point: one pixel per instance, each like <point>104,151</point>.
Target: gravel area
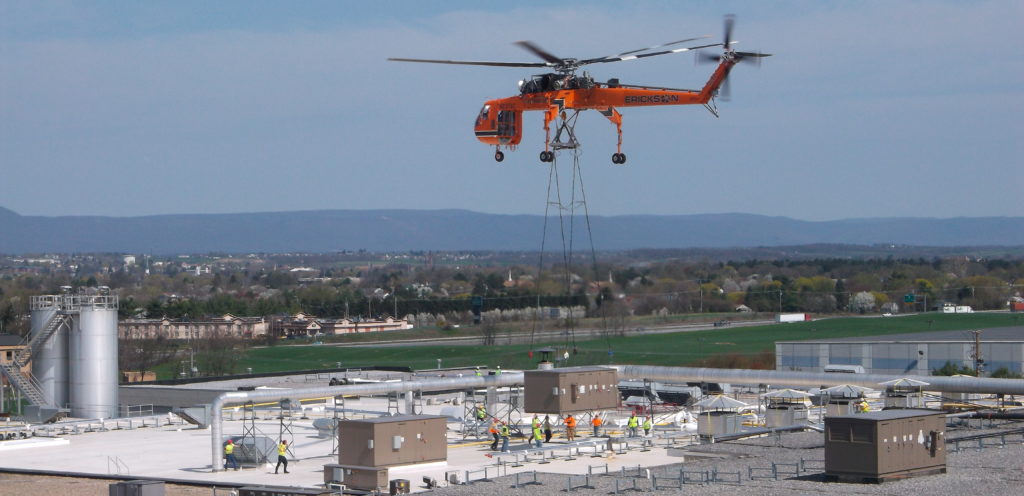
<point>992,470</point>
<point>26,485</point>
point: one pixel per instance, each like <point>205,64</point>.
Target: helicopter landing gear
<point>498,156</point>
<point>618,158</point>
<point>547,156</point>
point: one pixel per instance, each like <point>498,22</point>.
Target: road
<point>553,334</point>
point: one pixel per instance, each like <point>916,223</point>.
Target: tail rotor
<point>729,54</point>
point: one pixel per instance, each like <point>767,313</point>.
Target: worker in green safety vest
<point>505,434</point>
<point>633,423</point>
<point>647,426</point>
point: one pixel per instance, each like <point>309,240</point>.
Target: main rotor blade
<point>469,62</point>
<point>540,52</point>
<point>730,20</point>
<point>663,45</point>
<point>643,55</point>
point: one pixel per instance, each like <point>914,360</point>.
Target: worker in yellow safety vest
<point>505,434</point>
<point>863,407</point>
<point>647,426</point>
<point>633,423</point>
<point>282,452</point>
<point>229,455</point>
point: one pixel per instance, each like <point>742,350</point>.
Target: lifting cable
<point>578,174</point>
<point>567,244</point>
<point>552,180</point>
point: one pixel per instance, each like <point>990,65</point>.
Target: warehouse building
<point>912,354</point>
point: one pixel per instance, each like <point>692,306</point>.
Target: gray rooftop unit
<point>137,488</point>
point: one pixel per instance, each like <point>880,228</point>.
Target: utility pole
<point>978,361</point>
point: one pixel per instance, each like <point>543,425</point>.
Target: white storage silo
<point>50,358</point>
<point>92,368</point>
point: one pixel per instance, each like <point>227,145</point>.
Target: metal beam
<point>957,384</point>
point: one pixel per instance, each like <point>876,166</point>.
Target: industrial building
<point>368,431</point>
<point>382,430</point>
<point>913,354</point>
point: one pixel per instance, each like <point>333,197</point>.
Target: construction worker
<point>494,433</point>
<point>534,427</point>
<point>505,434</point>
<point>863,407</point>
<point>499,370</point>
<point>478,372</point>
<point>481,413</point>
<point>570,427</point>
<point>596,422</point>
<point>547,429</point>
<point>536,434</point>
<point>633,423</point>
<point>282,456</point>
<point>647,426</point>
<point>229,455</point>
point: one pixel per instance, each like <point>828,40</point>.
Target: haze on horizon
<point>866,109</point>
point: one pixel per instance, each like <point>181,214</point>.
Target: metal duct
<point>240,397</point>
<point>958,384</point>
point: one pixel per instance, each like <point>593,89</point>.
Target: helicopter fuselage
<point>500,121</point>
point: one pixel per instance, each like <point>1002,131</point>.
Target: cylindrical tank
<point>50,359</point>
<point>93,364</point>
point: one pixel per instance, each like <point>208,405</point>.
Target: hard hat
<point>230,441</point>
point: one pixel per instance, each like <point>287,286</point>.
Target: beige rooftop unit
<point>392,441</point>
<point>719,416</point>
<point>571,389</point>
<point>885,445</point>
<point>785,407</point>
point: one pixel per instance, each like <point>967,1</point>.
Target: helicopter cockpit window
<point>483,113</point>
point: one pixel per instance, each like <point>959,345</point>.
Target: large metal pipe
<point>241,397</point>
<point>957,384</point>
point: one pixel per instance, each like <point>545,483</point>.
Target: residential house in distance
<point>9,344</point>
<point>289,326</point>
<point>226,325</point>
<point>302,325</point>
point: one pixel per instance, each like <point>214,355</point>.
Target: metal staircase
<point>23,356</point>
<point>25,382</point>
<point>27,385</point>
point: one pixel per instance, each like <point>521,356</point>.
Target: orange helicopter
<point>500,123</point>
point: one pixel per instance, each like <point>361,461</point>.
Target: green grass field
<point>676,349</point>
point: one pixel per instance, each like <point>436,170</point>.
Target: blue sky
<point>866,109</point>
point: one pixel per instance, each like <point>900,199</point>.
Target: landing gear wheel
<point>618,158</point>
<point>498,156</point>
<point>546,156</point>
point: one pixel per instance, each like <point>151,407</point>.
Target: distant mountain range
<point>405,230</point>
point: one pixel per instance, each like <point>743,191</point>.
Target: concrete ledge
<point>34,442</point>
